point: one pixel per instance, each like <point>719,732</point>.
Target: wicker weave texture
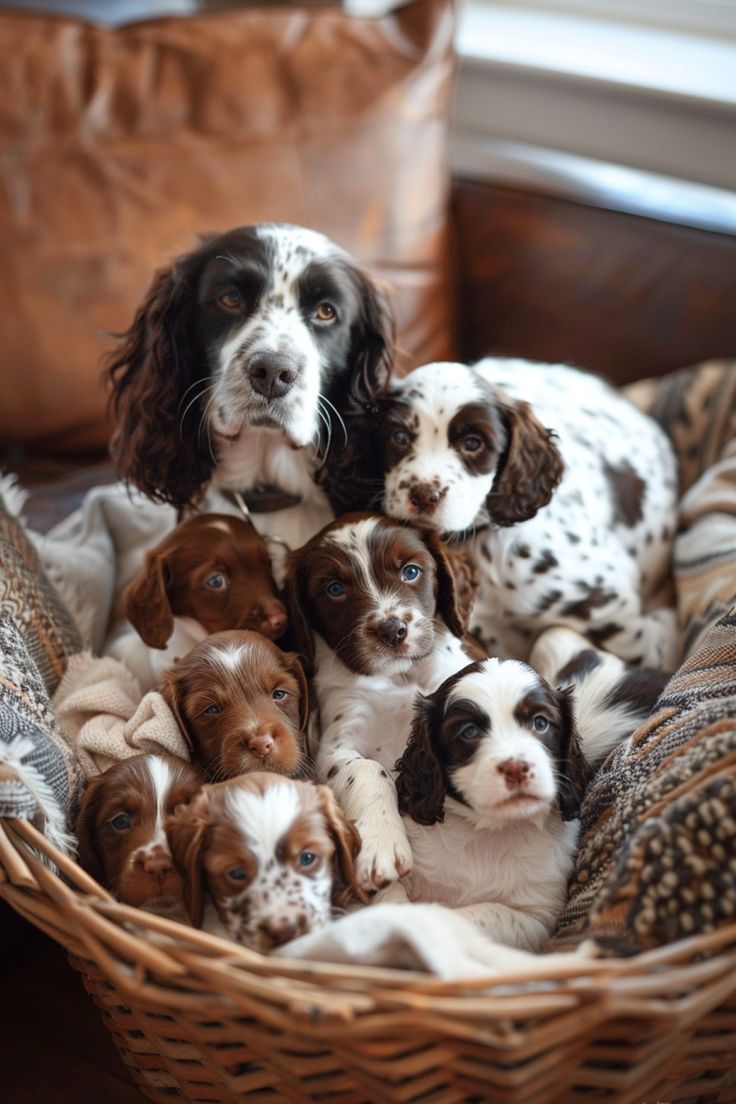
<point>199,1020</point>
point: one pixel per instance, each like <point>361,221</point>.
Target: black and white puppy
<point>237,366</point>
<point>373,608</point>
<point>564,491</point>
<point>493,776</point>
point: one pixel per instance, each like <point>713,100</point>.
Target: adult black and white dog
<point>244,361</point>
<point>565,492</point>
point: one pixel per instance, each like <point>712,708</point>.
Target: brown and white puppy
<point>122,841</point>
<point>264,858</point>
<point>372,604</point>
<point>492,772</point>
<point>565,493</point>
<point>242,705</point>
<point>209,574</point>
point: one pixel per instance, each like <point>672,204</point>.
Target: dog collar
<point>263,498</point>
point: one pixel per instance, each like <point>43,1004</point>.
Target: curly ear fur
<point>299,632</point>
<point>156,443</point>
<point>89,857</point>
<point>447,602</point>
<point>420,781</point>
<point>529,470</point>
<point>347,842</point>
<point>572,766</point>
<point>187,831</point>
<point>352,472</point>
<point>146,602</point>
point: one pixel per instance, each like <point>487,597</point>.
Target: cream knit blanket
<point>98,704</point>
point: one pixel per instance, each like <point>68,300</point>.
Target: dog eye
<point>540,723</point>
<point>472,443</point>
<point>335,589</point>
<point>231,301</point>
<point>216,582</point>
<point>307,859</point>
<point>325,312</point>
<point>121,822</point>
<point>410,573</point>
<point>237,874</point>
<point>401,437</point>
<point>470,732</point>
<point>213,709</point>
<point>279,695</point>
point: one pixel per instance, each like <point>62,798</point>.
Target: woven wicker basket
<point>196,1019</point>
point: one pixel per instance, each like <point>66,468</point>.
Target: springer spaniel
<point>492,777</point>
<point>372,605</point>
<point>245,358</point>
<point>122,839</point>
<point>210,574</point>
<point>563,490</point>
<point>264,858</point>
<point>242,704</point>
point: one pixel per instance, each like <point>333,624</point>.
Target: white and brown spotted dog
<point>264,858</point>
<point>373,607</point>
<point>564,491</point>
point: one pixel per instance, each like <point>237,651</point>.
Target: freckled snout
<point>516,772</point>
<point>426,497</point>
<point>271,374</point>
<point>282,929</point>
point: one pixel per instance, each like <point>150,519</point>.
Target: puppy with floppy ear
<point>264,859</point>
<point>242,704</point>
<point>120,828</point>
<point>563,493</point>
<point>491,774</point>
<point>373,606</point>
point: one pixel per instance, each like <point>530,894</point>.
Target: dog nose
<point>157,864</point>
<point>515,771</point>
<point>271,374</point>
<point>275,615</point>
<point>426,497</point>
<point>392,631</point>
<point>282,929</point>
<point>261,744</point>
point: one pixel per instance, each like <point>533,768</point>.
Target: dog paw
<point>385,856</point>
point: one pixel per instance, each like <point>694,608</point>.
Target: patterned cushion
<point>36,636</point>
<point>28,597</point>
<point>697,408</point>
<point>657,857</point>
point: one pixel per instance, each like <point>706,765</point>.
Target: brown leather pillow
<point>118,147</point>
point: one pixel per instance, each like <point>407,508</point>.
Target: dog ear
<point>345,836</point>
<point>529,470</point>
<point>171,688</point>
<point>372,338</point>
<point>295,665</point>
<point>88,854</point>
<point>155,375</point>
<point>446,599</point>
<point>420,781</point>
<point>188,830</point>
<point>146,602</point>
<point>299,631</point>
<point>573,768</point>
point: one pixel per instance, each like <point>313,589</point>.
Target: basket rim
<point>103,928</point>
